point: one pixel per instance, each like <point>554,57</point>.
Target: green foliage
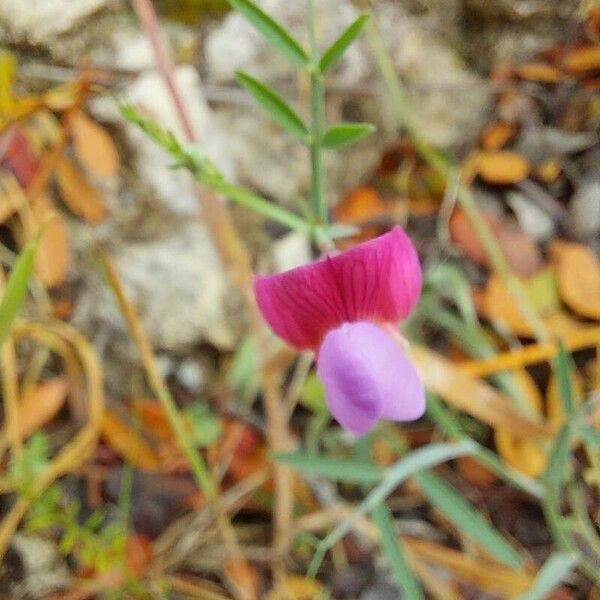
<point>336,469</point>
<point>274,105</point>
<point>16,286</point>
<point>343,134</point>
<point>394,552</point>
<point>206,426</point>
<point>335,51</point>
<point>555,569</point>
<point>466,519</point>
<point>25,468</point>
<point>273,32</point>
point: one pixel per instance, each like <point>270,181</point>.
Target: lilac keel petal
<point>367,378</point>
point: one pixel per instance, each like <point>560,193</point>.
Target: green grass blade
<point>16,287</point>
<point>333,53</point>
<point>273,32</point>
<point>343,134</point>
<point>468,520</point>
<point>423,458</point>
<point>591,436</point>
<point>557,468</point>
<point>562,369</point>
<point>394,552</point>
<point>337,469</point>
<point>555,569</point>
<point>279,110</point>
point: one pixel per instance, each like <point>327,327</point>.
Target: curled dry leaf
<point>502,167</point>
<point>93,146</point>
<point>128,443</point>
<point>78,195</point>
<point>584,59</point>
<point>518,451</point>
<point>242,577</point>
<point>578,275</point>
<point>52,256</point>
<point>296,587</point>
<point>538,71</point>
<point>496,134</point>
<point>473,396</point>
<point>500,307</point>
<point>40,404</point>
<point>486,575</point>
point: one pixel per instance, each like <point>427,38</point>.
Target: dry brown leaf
<point>496,134</point>
<point>502,167</point>
<point>296,587</point>
<point>538,71</point>
<point>517,451</point>
<point>578,274</point>
<point>486,575</point>
<point>127,442</point>
<point>78,195</point>
<point>474,472</point>
<point>582,60</point>
<point>473,396</point>
<point>241,577</point>
<point>52,256</point>
<point>499,306</point>
<point>40,404</point>
<point>93,146</point>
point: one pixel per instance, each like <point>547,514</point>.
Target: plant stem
<point>319,205</point>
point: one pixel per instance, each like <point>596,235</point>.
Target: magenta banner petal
<point>379,280</point>
<point>367,377</point>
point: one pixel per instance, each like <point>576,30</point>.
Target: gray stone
<point>532,219</point>
<point>584,210</point>
<point>38,20</point>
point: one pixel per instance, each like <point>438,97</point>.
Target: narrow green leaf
<point>333,53</point>
<point>394,552</point>
<point>591,436</point>
<point>343,134</point>
<point>555,569</point>
<point>338,469</point>
<point>279,110</point>
<point>557,468</point>
<point>423,458</point>
<point>464,516</point>
<point>562,367</point>
<point>16,287</point>
<point>273,32</point>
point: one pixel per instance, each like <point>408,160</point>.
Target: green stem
<point>318,202</point>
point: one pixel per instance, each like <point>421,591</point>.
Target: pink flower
<point>335,306</point>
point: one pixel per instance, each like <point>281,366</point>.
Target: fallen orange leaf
<point>127,442</point>
<point>518,451</point>
<point>581,60</point>
<point>496,134</point>
<point>502,167</point>
<point>242,577</point>
<point>537,71</point>
<point>473,396</point>
<point>578,275</point>
<point>78,195</point>
<point>41,403</point>
<point>296,587</point>
<point>93,146</point>
<point>52,256</point>
<point>549,170</point>
<point>485,575</point>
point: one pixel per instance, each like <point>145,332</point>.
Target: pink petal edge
<point>378,280</point>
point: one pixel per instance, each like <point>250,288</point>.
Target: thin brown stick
<point>235,259</point>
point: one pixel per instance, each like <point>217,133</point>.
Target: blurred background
<point>506,91</point>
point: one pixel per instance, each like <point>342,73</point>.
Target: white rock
<point>191,375</point>
<point>291,251</point>
<point>37,20</point>
<point>584,210</point>
<point>532,219</point>
<point>175,189</point>
<point>179,288</point>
